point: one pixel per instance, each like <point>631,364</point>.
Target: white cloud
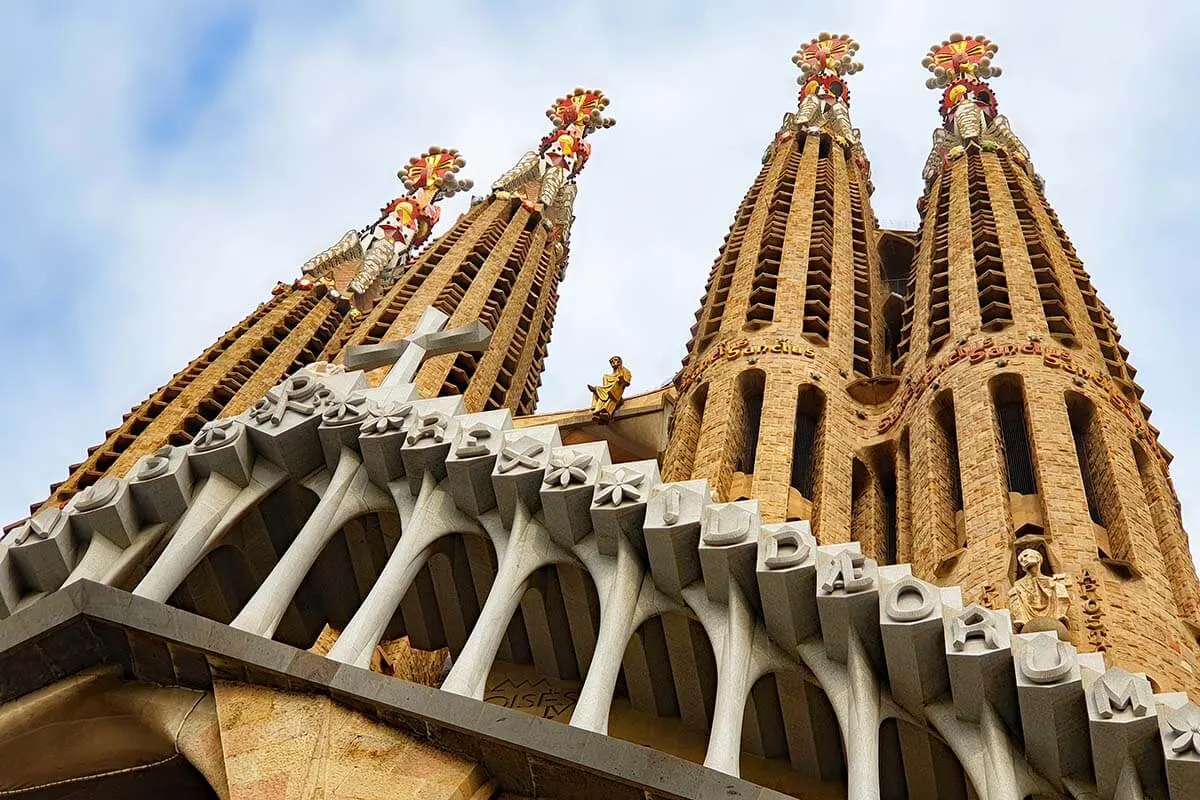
<point>125,257</point>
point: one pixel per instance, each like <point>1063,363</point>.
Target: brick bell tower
<point>306,321</point>
<point>500,264</point>
<point>791,315</point>
<point>1017,424</point>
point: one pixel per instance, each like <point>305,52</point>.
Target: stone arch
<point>225,579</point>
<point>95,734</point>
<point>915,762</point>
<point>668,687</point>
<point>340,578</point>
<point>786,741</point>
<point>549,643</point>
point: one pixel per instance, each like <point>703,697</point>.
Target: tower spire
<point>365,263</point>
<point>791,315</point>
<point>499,264</point>
<point>961,66</point>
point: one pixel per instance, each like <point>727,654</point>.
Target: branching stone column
<point>517,478</point>
<point>434,514</point>
<point>627,595</point>
<point>848,606</point>
<point>727,605</point>
<point>216,506</point>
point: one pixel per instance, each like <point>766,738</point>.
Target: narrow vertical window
<point>1080,414</point>
<point>751,385</point>
<point>1014,436</point>
<point>688,424</point>
<point>810,404</point>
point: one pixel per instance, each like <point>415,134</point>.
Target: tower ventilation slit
<point>862,284</point>
<point>939,272</point>
<point>994,309</point>
<point>1102,324</point>
<point>819,281</point>
<point>765,284</point>
<point>720,280</point>
<point>1049,289</point>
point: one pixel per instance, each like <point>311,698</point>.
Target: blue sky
<point>162,165</point>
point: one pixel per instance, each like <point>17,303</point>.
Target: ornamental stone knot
<point>156,465</point>
<point>350,411</point>
<point>1184,723</point>
<point>522,453</point>
<point>618,484</point>
<point>214,434</point>
<point>567,467</point>
<point>301,394</point>
<point>472,444</point>
<point>431,426</point>
<point>386,417</point>
<point>98,494</point>
<point>41,525</point>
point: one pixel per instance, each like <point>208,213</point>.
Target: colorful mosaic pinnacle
<point>960,65</point>
<point>824,98</point>
<point>384,247</point>
<point>574,117</point>
<point>970,117</point>
<point>543,180</point>
<point>430,177</point>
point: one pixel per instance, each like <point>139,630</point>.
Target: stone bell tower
<point>789,317</point>
<point>1018,423</point>
<point>499,265</point>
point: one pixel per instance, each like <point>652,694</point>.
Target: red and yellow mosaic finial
<point>961,56</point>
<point>828,53</point>
<point>543,180</point>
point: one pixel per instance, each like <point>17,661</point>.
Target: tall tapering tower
<point>1018,421</point>
<point>500,264</point>
<point>293,328</point>
<point>790,315</point>
<point>306,321</point>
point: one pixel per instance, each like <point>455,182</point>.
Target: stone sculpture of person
<point>1038,602</point>
<point>608,396</point>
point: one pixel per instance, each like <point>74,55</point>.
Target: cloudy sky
<point>163,164</point>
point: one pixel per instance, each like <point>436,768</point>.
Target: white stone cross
<point>427,341</point>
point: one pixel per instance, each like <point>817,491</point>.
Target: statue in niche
<point>1038,602</point>
<point>608,396</point>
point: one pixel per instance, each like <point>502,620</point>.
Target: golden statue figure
<point>608,396</point>
<point>1038,602</point>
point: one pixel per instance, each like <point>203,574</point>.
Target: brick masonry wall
<point>1141,614</point>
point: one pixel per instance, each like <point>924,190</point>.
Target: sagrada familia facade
<point>898,528</point>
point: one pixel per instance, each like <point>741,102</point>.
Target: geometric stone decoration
<point>473,457</point>
<point>980,663</point>
<point>283,423</point>
<point>161,485</point>
<point>848,600</point>
<point>106,507</point>
<point>910,624</point>
<point>568,487</point>
<point>1179,725</point>
<point>43,550</point>
<point>223,446</point>
<point>786,570</point>
<point>619,504</point>
<point>1124,728</point>
<point>672,534</point>
<point>382,433</point>
<point>1050,694</point>
<point>430,432</point>
<point>520,468</point>
<point>729,549</point>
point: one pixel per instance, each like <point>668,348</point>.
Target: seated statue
<point>608,396</point>
<point>1038,602</point>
